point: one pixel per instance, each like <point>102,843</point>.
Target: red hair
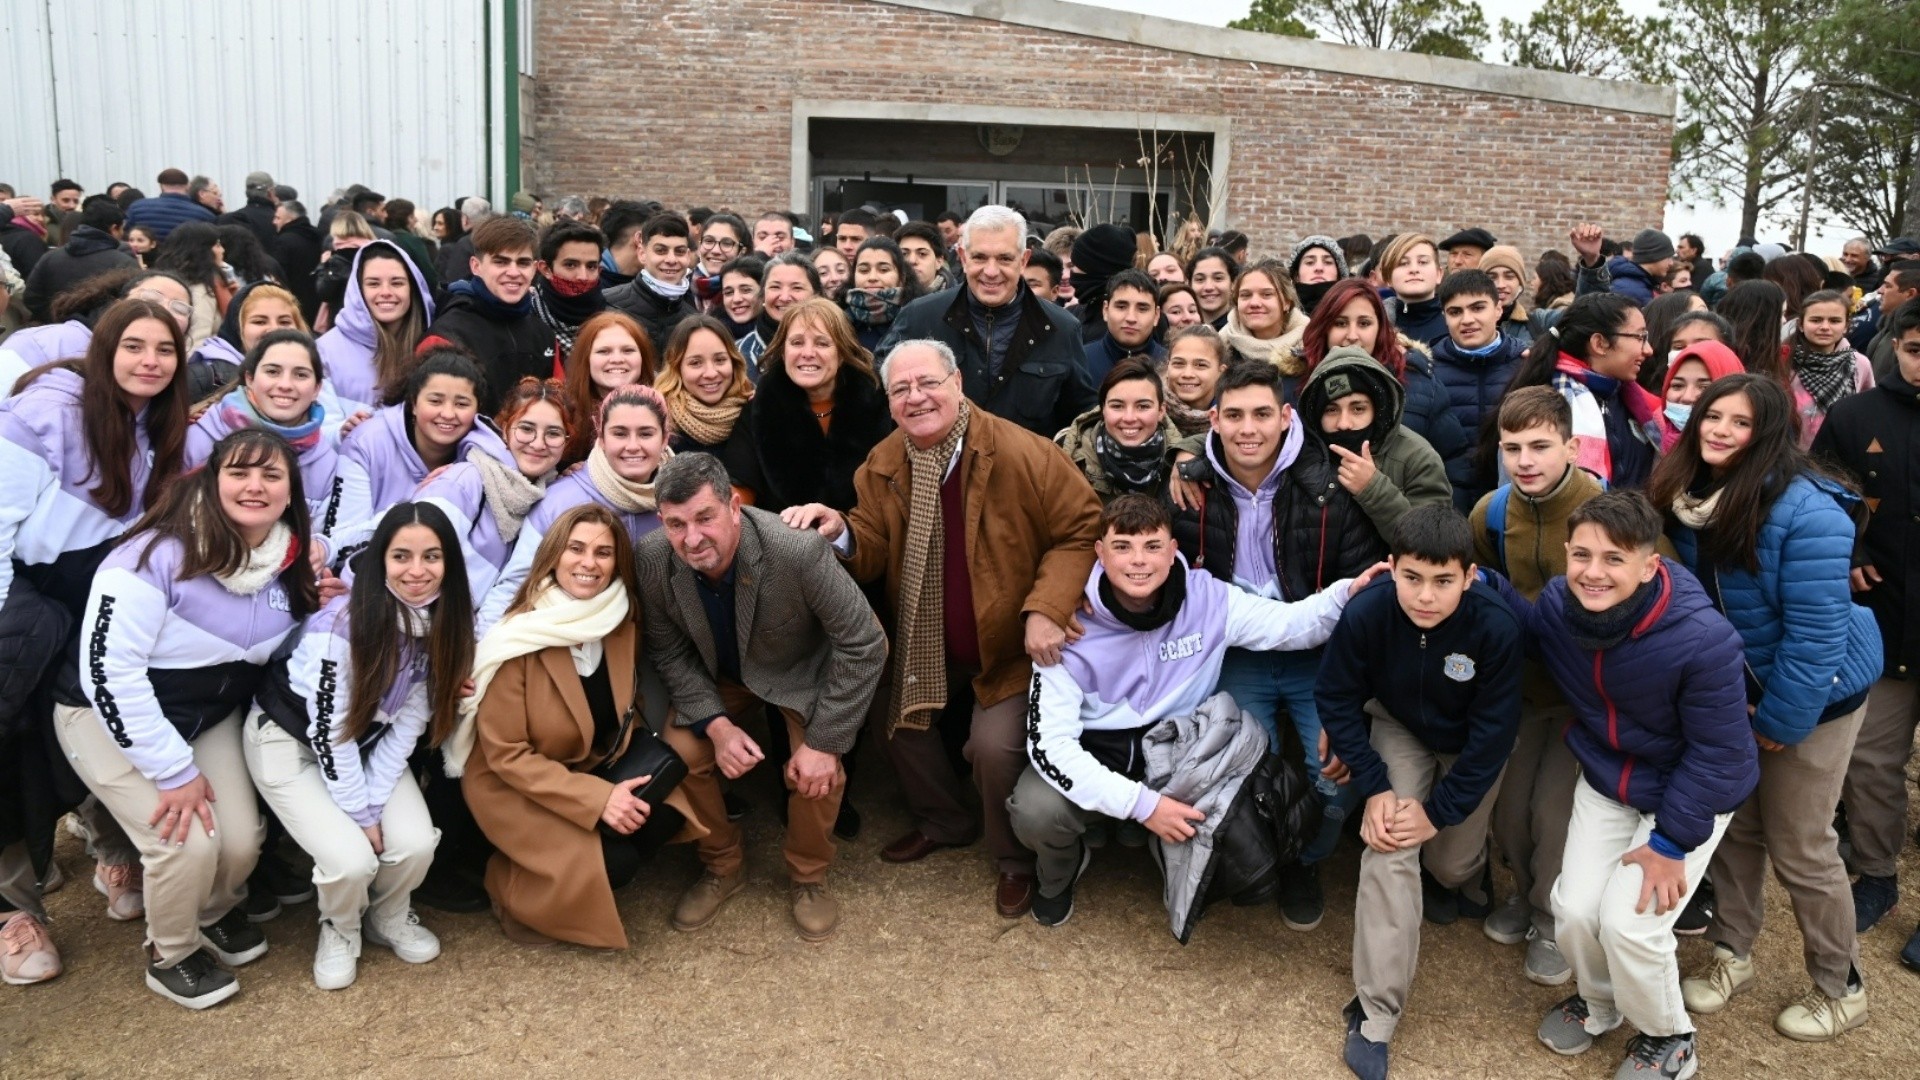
<point>1386,344</point>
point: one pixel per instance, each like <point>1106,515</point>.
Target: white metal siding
<point>321,95</point>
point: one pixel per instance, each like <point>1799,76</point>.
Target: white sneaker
<point>335,959</point>
<point>402,933</point>
<point>1716,981</point>
<point>125,890</point>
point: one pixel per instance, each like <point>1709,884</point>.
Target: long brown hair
<point>669,383</point>
<point>586,396</point>
<point>546,560</point>
<point>393,343</point>
<point>376,643</point>
<point>109,428</point>
<point>830,317</point>
<point>190,513</point>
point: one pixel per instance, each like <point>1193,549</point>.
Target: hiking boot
<point>1057,909</point>
<point>1716,981</point>
<point>1874,898</point>
<point>1366,1058</point>
<point>401,931</point>
<point>259,904</point>
<point>336,959</point>
<point>1302,903</point>
<point>1819,1018</point>
<point>816,913</point>
<point>27,954</point>
<point>234,940</point>
<point>1545,965</point>
<point>704,898</point>
<point>196,982</point>
<point>1669,1057</point>
<point>1568,1027</point>
<point>123,886</point>
<point>1439,904</point>
<point>1698,914</point>
<point>1511,922</point>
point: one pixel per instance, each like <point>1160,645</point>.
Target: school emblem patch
<point>1457,667</point>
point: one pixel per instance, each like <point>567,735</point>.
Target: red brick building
<point>1070,110</point>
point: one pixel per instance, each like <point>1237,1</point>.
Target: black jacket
<point>1205,532</point>
<point>88,253</point>
<point>21,244</point>
<point>256,215</point>
<point>1041,384</point>
<point>454,262</point>
<point>508,349</point>
<point>1875,436</point>
<point>657,314</point>
<point>779,453</point>
<point>297,249</point>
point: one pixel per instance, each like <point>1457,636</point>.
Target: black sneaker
<point>737,807</point>
<point>847,825</point>
<point>1698,914</point>
<point>453,893</point>
<point>1874,898</point>
<point>1056,910</point>
<point>286,884</point>
<point>1302,904</point>
<point>1366,1058</point>
<point>1467,905</point>
<point>1441,904</point>
<point>260,905</point>
<point>235,940</point>
<point>1668,1057</point>
<point>196,982</point>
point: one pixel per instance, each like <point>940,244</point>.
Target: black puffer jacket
<point>779,452</point>
<point>657,314</point>
<point>87,253</point>
<point>508,349</point>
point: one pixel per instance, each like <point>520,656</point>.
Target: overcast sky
<point>1717,224</point>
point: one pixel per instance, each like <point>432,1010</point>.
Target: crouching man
<point>1155,638</point>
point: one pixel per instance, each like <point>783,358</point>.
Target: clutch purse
<point>647,754</point>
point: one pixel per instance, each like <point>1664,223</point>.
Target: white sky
<point>1719,225</point>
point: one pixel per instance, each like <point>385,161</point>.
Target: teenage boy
<point>1131,310</point>
<point>1876,439</point>
<point>1419,695</point>
<point>1653,675</point>
<point>1043,274</point>
<point>1474,362</point>
<point>1089,711</point>
<point>567,291</point>
<point>663,293</point>
<point>491,313</point>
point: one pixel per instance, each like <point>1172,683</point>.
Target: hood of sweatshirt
<point>355,321</point>
<point>1349,370</point>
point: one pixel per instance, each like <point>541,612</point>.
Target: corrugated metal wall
<point>325,94</point>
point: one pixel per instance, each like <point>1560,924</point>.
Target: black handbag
<point>647,754</point>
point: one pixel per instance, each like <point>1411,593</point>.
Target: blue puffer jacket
<point>1809,648</point>
<point>1428,414</point>
<point>1660,720</point>
<point>1474,386</point>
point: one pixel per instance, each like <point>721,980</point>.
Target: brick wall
<point>689,102</point>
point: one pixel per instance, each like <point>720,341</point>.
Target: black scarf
<point>1133,468</point>
<point>564,315</point>
<point>1598,631</point>
<point>1311,293</point>
<point>1165,606</point>
<point>1828,377</point>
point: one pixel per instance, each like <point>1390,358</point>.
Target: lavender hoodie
<point>1253,568</point>
<point>380,468</point>
<point>347,349</point>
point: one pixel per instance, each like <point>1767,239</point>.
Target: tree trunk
<point>1910,227</point>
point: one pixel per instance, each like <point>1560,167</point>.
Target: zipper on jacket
<point>1613,728</point>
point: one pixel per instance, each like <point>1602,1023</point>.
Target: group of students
<point>1511,571</point>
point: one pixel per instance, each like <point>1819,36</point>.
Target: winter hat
<point>1507,256</point>
<point>1650,246</point>
<point>523,202</point>
<point>1324,243</point>
<point>259,183</point>
<point>1719,361</point>
<point>1104,250</point>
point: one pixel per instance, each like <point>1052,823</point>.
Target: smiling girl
<point>1825,368</point>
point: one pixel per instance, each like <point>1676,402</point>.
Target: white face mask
<point>1677,413</point>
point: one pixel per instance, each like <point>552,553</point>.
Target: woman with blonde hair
<point>1265,322</point>
<point>704,382</point>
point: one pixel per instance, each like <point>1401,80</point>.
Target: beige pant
<point>1876,788</point>
<point>1388,906</point>
<point>348,878</point>
<point>188,885</point>
<point>1536,800</point>
<point>1789,819</point>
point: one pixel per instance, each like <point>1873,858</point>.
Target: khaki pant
<point>1536,799</point>
<point>997,748</point>
<point>1876,787</point>
<point>809,843</point>
<point>189,885</point>
<point>348,878</point>
<point>1789,819</point>
<point>1388,906</point>
<point>1622,958</point>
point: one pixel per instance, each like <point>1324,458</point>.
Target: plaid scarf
<point>920,657</point>
<point>1828,377</point>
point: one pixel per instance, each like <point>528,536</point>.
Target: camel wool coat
<point>531,788</point>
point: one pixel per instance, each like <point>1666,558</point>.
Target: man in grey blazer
<point>738,609</point>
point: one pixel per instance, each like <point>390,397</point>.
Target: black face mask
<point>1348,440</point>
<point>1310,295</point>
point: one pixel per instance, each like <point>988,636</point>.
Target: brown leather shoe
<point>912,847</point>
<point>704,898</point>
<point>815,912</point>
<point>1013,897</point>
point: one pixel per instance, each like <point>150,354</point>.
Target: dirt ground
<point>923,980</point>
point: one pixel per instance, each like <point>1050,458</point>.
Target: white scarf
<point>1695,512</point>
<point>624,494</point>
<point>263,564</point>
<point>671,292</point>
<point>555,619</point>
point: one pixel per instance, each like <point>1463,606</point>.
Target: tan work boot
<point>704,899</point>
<point>816,913</point>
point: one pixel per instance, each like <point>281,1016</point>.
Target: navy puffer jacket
<point>1429,414</point>
<point>1473,386</point>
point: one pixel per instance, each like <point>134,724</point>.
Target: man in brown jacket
<point>984,535</point>
<point>740,610</point>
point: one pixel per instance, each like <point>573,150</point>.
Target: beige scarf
<point>708,425</point>
<point>920,659</point>
<point>556,618</point>
<point>1694,512</point>
<point>509,494</point>
<point>623,493</point>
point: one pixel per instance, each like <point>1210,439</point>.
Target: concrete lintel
<point>1087,20</point>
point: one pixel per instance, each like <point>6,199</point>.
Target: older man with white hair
<point>983,533</point>
<point>1020,357</point>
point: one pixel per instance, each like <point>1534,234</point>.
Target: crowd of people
<point>477,567</point>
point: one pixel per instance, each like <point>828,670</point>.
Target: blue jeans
<point>1259,683</point>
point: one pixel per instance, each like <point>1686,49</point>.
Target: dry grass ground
<point>923,980</point>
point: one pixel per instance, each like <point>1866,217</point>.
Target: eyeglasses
<point>719,244</point>
<point>178,307</point>
<point>1640,337</point>
<point>901,391</point>
<point>525,431</point>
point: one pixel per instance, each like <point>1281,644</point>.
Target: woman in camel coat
<point>555,682</point>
